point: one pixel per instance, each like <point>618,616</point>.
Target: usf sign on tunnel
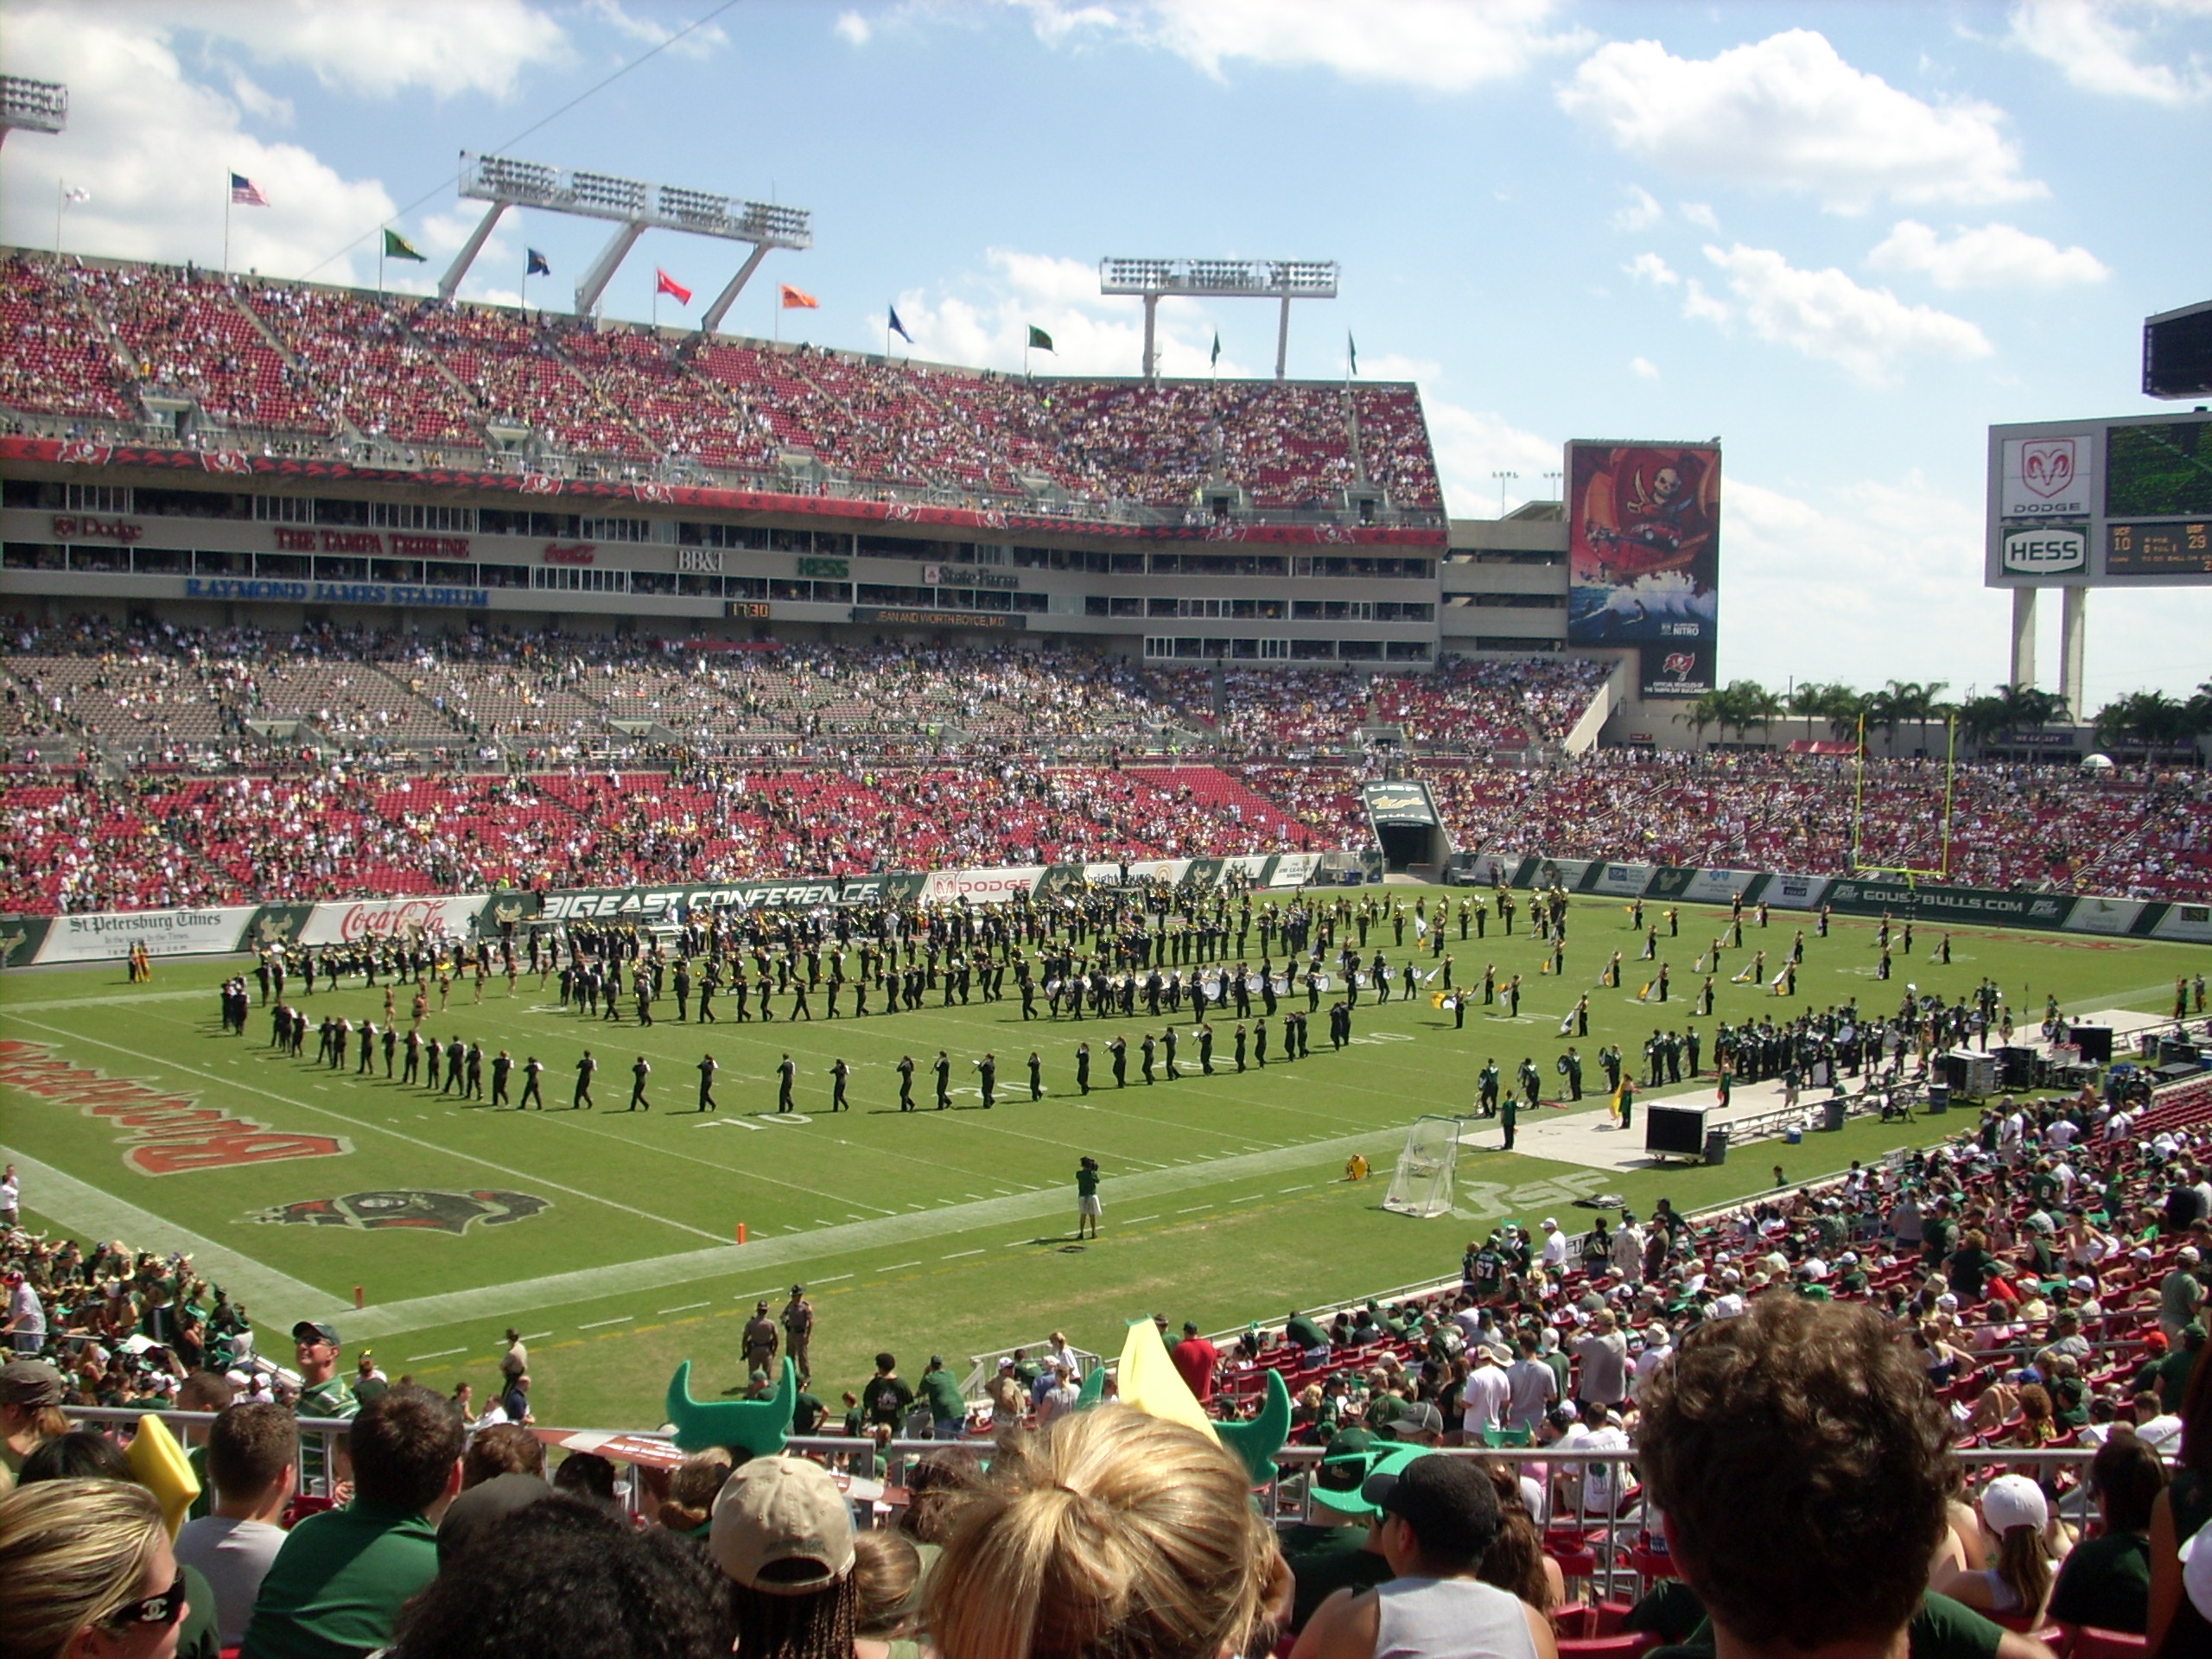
<point>1407,827</point>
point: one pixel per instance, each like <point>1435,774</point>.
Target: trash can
<point>1831,1115</point>
<point>1716,1146</point>
<point>1939,1099</point>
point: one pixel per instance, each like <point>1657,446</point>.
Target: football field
<point>611,1236</point>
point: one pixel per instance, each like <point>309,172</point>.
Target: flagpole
<point>60,185</point>
<point>226,222</point>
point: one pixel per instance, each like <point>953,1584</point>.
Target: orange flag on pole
<point>795,301</point>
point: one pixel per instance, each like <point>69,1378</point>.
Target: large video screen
<point>2165,468</point>
<point>1644,556</point>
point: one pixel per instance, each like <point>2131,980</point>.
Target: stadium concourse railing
<point>1595,1523</point>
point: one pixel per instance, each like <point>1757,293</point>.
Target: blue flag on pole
<point>539,265</point>
<point>898,327</point>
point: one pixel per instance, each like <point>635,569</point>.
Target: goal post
<point>1421,1184</point>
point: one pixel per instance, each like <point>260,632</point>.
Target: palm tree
<point>1705,709</point>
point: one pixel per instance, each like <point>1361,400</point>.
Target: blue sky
<point>1845,238</point>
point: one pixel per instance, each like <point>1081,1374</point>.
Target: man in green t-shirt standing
<point>324,1393</point>
<point>1087,1208</point>
<point>336,1587</point>
<point>948,1408</point>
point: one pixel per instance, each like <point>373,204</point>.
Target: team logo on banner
<point>412,1209</point>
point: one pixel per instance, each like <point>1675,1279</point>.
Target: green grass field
<point>935,1232</point>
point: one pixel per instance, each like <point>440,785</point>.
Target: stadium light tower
<point>1242,279</point>
<point>34,105</point>
<point>636,207</point>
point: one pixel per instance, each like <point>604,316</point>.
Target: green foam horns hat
<point>1257,1440</point>
<point>1150,1382</point>
<point>755,1427</point>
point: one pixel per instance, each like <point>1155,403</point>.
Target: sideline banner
<point>1924,904</point>
<point>1618,880</point>
<point>344,922</point>
<point>1701,886</point>
<point>109,937</point>
<point>666,904</point>
<point>2191,922</point>
<point>2104,915</point>
<point>20,938</point>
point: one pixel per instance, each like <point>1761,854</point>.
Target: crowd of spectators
<point>2035,1288</point>
<point>91,338</point>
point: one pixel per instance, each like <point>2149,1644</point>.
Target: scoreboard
<point>2125,502</point>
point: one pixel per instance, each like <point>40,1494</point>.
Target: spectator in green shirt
<point>2105,1581</point>
<point>948,1408</point>
<point>338,1583</point>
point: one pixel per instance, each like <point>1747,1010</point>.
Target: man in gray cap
<point>30,1402</point>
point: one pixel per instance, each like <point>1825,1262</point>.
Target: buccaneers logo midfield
<point>411,1208</point>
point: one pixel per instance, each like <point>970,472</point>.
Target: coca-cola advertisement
<point>347,921</point>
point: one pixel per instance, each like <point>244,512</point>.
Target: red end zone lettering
<point>170,1135</point>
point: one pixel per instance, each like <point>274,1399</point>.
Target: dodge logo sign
<point>2047,467</point>
<point>2045,552</point>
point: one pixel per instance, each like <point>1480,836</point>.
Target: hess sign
<point>2045,552</point>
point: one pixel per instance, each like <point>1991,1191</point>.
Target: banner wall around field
<point>2191,922</point>
<point>430,916</point>
<point>109,937</point>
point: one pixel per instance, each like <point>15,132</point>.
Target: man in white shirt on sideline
<point>1554,1249</point>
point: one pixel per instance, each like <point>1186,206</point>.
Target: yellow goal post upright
<point>1860,865</point>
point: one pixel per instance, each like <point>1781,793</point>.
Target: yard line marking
<point>538,1336</point>
<point>619,1319</point>
<point>956,1254</point>
<point>896,1266</point>
<point>173,1064</point>
<point>832,1278</point>
<point>819,1222</point>
<point>1131,1221</point>
<point>1307,1187</point>
<point>414,1359</point>
<point>685,1308</point>
<point>1194,1210</point>
<point>1249,1198</point>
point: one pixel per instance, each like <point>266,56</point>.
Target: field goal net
<point>1421,1184</point>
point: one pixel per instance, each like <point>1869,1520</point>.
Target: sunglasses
<point>164,1609</point>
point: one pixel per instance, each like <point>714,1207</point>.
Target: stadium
<point>613,742</point>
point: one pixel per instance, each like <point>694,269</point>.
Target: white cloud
<point>154,149</point>
<point>1788,113</point>
<point>1824,313</point>
<point>986,325</point>
<point>1703,216</point>
<point>375,47</point>
<point>1702,306</point>
<point>1641,212</point>
<point>1891,568</point>
<point>258,101</point>
<point>1437,45</point>
<point>1644,368</point>
<point>699,43</point>
<point>1650,268</point>
<point>852,28</point>
<point>1996,255</point>
<point>2101,54</point>
<point>1473,445</point>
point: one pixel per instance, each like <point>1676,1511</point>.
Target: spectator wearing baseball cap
<point>1339,1548</point>
<point>2018,1516</point>
<point>324,1393</point>
<point>1438,1518</point>
<point>783,1534</point>
<point>31,1411</point>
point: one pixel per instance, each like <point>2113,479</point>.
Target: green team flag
<point>397,247</point>
<point>1039,339</point>
<point>1217,348</point>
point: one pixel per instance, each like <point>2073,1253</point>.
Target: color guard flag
<point>795,301</point>
<point>668,285</point>
<point>1042,340</point>
<point>397,247</point>
<point>1216,360</point>
<point>538,265</point>
<point>245,192</point>
<point>898,327</point>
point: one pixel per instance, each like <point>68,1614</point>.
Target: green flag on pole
<point>1042,340</point>
<point>397,247</point>
<point>1217,349</point>
<point>1352,349</point>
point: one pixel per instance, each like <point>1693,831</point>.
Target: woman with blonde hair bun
<point>1110,1533</point>
<point>86,1573</point>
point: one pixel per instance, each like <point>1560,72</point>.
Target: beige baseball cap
<point>782,1527</point>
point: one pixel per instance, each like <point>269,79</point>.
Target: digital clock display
<point>751,610</point>
<point>2168,547</point>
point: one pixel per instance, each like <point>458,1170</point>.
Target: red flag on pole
<point>795,301</point>
<point>668,284</point>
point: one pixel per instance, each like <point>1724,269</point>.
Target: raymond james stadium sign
<point>337,592</point>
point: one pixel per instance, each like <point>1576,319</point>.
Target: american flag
<point>245,192</point>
